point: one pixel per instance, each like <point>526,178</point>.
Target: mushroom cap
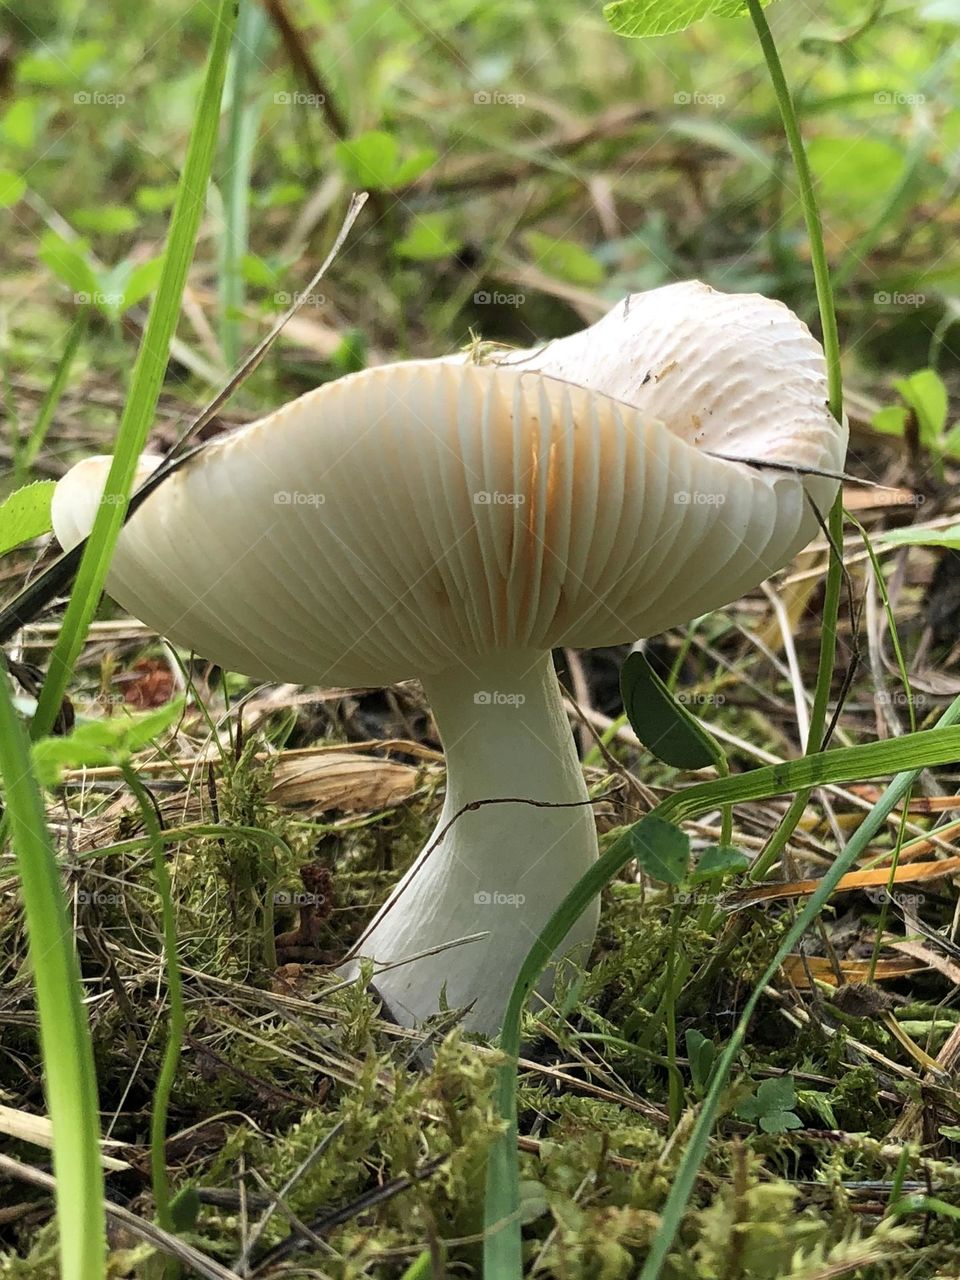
<point>401,519</point>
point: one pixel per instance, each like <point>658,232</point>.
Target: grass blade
<point>685,1179</point>
<point>69,1076</point>
<point>148,374</point>
<point>243,118</point>
<point>912,752</point>
<point>54,393</point>
<point>171,1054</point>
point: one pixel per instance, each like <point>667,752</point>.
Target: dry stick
<point>337,1217</point>
<point>277,1198</point>
<point>301,61</point>
<point>30,602</point>
<point>147,1231</point>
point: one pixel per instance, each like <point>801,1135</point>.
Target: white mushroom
<point>456,521</point>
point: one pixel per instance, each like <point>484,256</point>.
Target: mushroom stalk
<point>501,869</point>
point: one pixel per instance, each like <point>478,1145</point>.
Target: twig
<point>139,1227</point>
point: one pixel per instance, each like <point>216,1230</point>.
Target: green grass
<point>147,378</point>
<point>70,1085</point>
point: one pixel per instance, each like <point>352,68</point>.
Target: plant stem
<point>171,1056</point>
<point>243,118</point>
<point>54,392</point>
<point>831,350</point>
<point>811,213</point>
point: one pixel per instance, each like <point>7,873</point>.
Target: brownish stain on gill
<point>527,516</point>
<point>497,512</point>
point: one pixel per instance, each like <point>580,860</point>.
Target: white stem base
<point>501,869</point>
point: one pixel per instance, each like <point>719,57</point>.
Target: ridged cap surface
<point>400,519</point>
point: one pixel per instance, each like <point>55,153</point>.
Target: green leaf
<point>718,861</point>
<point>772,1106</point>
<point>101,742</point>
<point>411,168</point>
<point>257,271</point>
<point>142,281</point>
<point>279,195</point>
<point>949,538</point>
<point>819,1103</point>
<point>780,1122</point>
<point>351,355</point>
<point>372,161</point>
<point>430,237</point>
<point>185,1208</point>
<point>369,160</point>
<point>534,1201</point>
<point>701,1054</point>
<point>564,259</point>
<point>663,726</point>
<point>63,66</point>
<point>926,394</point>
<point>12,187</point>
<point>18,125</point>
<point>107,219</point>
<point>660,849</point>
<point>891,419</point>
<point>156,199</point>
<point>636,18</point>
<point>68,262</point>
<point>26,514</point>
<point>853,174</point>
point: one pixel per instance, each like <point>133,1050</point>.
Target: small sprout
<point>771,1107</point>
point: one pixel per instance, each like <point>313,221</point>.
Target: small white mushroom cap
<point>385,525</point>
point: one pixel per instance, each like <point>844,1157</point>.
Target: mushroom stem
<point>500,869</point>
